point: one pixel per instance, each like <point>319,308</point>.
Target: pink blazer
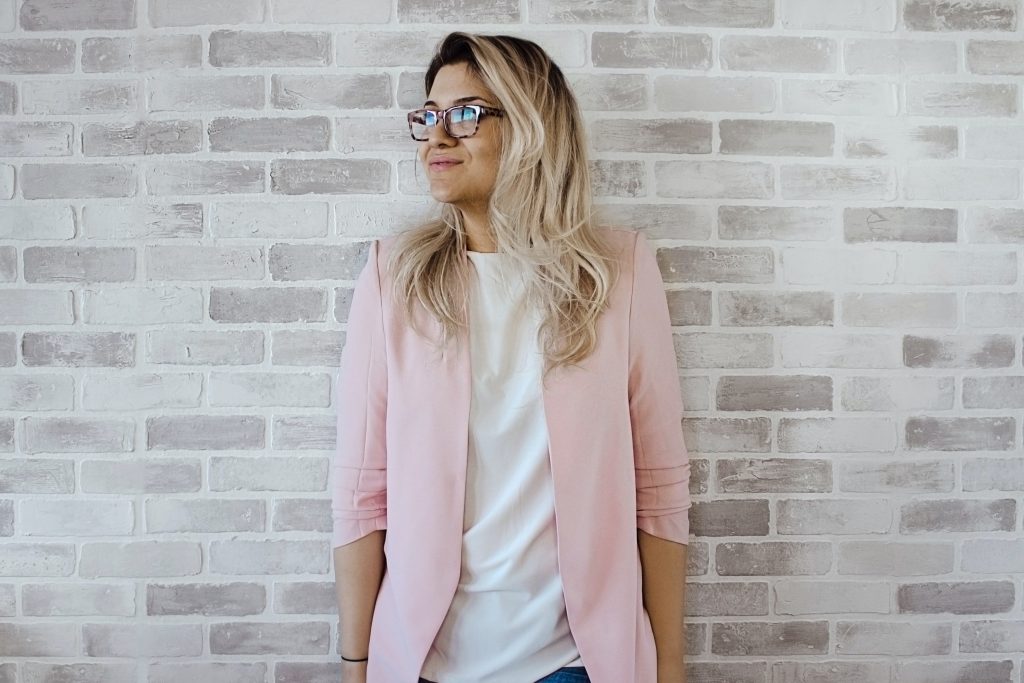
<point>618,463</point>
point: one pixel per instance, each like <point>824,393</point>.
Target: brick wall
<point>834,188</point>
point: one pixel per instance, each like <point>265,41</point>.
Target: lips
<point>443,163</point>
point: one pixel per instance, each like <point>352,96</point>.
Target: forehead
<point>455,83</point>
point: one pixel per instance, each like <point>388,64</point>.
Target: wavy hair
<point>540,210</point>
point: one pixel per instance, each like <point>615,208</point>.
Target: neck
<point>478,231</point>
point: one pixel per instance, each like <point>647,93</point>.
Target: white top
<point>507,621</point>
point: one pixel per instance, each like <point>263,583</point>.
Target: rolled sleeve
<point>661,459</point>
<point>359,471</point>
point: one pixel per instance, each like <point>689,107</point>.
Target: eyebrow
<point>461,100</point>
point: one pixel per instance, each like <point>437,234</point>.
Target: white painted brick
<point>852,15</point>
<point>831,597</point>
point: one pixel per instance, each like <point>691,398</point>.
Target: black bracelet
<point>354,660</point>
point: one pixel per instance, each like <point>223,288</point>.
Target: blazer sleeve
<point>655,406</point>
<point>359,471</point>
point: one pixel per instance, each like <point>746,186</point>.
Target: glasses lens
<point>420,122</point>
<point>462,121</point>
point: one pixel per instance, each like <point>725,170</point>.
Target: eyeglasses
<point>461,121</point>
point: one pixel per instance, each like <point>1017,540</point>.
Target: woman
<point>509,412</point>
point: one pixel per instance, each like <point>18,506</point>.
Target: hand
<point>353,672</point>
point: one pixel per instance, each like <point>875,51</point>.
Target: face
<point>461,171</point>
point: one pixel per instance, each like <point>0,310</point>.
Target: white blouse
<point>507,621</point>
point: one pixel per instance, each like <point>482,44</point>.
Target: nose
<point>438,136</point>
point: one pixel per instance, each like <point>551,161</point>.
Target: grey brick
<point>164,13</point>
<point>961,99</point>
<point>717,264</point>
<point>8,349</point>
<point>316,12</point>
<point>780,392</point>
<point>204,93</point>
<point>766,639</point>
<point>341,91</point>
<point>727,13</point>
<point>386,48</point>
<point>197,347</point>
<point>729,518</point>
<point>592,12</point>
<point>79,349</point>
<point>609,92</point>
<point>206,599</point>
<point>900,224</point>
<point>767,558</point>
<point>75,518</point>
<point>714,179</point>
<point>268,474</point>
<point>897,393</point>
<point>141,53</point>
<point>736,435</point>
<point>302,514</point>
<point>305,597</point>
<point>264,638</point>
<point>252,389</point>
<point>294,219</point>
<point>205,432</point>
<point>942,15</point>
<point>885,558</point>
<point>8,98</point>
<point>640,49</point>
<point>831,597</point>
<point>612,178</point>
<point>142,221</point>
<point>140,559</point>
<point>36,138</point>
<point>899,141</point>
<point>893,638</point>
<point>71,600</point>
<point>38,640</point>
<point>302,432</point>
<point>773,475</point>
<point>205,177</point>
<point>269,557</point>
<point>138,641</point>
<point>291,134</point>
<point>186,515</point>
<point>229,48</point>
<point>837,434</point>
<point>957,516</point>
<point>465,11</point>
<point>165,475</point>
<point>142,138</point>
<point>763,137</point>
<point>672,221</point>
<point>995,57</point>
<point>817,181</point>
<point>961,351</point>
<point>8,264</point>
<point>992,636</point>
<point>6,518</point>
<point>755,309</point>
<point>689,307</point>
<point>778,53</point>
<point>290,262</point>
<point>774,222</point>
<point>733,599</point>
<point>681,136</point>
<point>79,264</point>
<point>973,597</point>
<point>170,671</point>
<point>702,93</point>
<point>59,181</point>
<point>961,433</point>
<point>993,474</point>
<point>204,263</point>
<point>895,309</point>
<point>330,176</point>
<point>833,517</point>
<point>37,56</point>
<point>89,96</point>
<point>55,15</point>
<point>268,304</point>
<point>721,350</point>
<point>833,671</point>
<point>915,476</point>
<point>949,671</point>
<point>28,475</point>
<point>36,559</point>
<point>77,435</point>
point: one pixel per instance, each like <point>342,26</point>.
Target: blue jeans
<point>567,674</point>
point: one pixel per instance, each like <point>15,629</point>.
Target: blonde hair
<point>540,210</point>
